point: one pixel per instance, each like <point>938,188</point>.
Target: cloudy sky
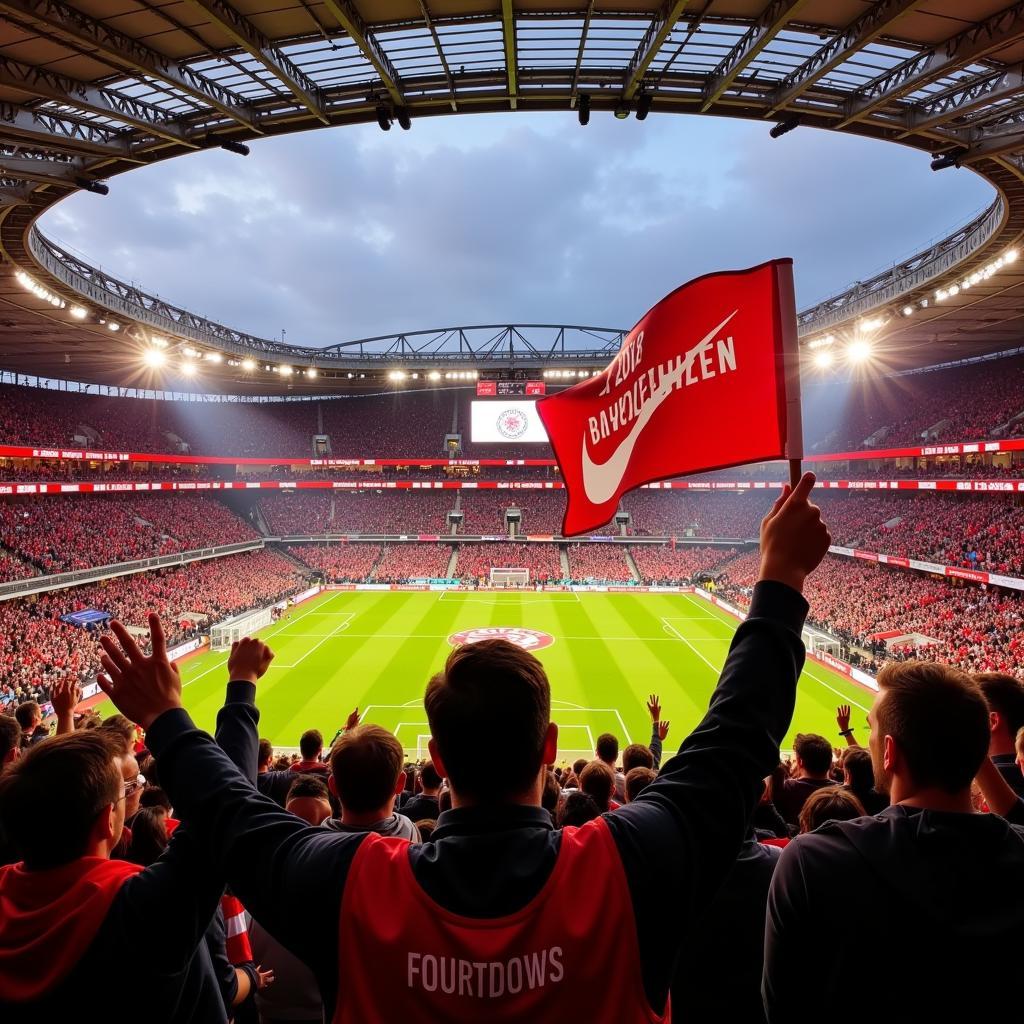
<point>348,233</point>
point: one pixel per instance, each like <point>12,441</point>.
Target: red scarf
<point>48,919</point>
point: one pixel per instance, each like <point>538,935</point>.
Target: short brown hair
<point>10,736</point>
<point>366,762</point>
<point>123,728</point>
<point>311,742</point>
<point>597,780</point>
<point>938,717</point>
<point>266,752</point>
<point>27,712</point>
<point>607,747</point>
<point>829,803</point>
<point>1005,695</point>
<point>492,695</point>
<point>637,755</point>
<point>814,751</point>
<point>50,798</point>
<point>637,780</point>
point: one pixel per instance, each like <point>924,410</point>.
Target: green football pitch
<point>604,654</point>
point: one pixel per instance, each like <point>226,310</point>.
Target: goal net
<point>510,577</point>
<point>225,633</point>
<point>817,642</point>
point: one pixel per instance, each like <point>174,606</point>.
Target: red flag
<point>709,378</point>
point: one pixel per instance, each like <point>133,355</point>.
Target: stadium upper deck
<point>84,98</point>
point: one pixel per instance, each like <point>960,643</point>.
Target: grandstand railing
<point>911,274</point>
<point>61,581</point>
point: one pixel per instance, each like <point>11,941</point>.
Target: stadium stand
<point>36,648</point>
<point>58,534</point>
<point>598,562</point>
<point>340,563</point>
<point>402,562</point>
<point>476,561</point>
<point>661,564</point>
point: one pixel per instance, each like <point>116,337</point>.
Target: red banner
<point>713,352</point>
<point>486,388</point>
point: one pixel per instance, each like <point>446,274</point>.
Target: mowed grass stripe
<point>610,651</point>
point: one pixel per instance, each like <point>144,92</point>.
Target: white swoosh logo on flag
<point>601,479</point>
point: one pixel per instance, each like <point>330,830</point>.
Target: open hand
<point>843,717</point>
<point>353,719</point>
<point>654,707</point>
<point>141,688</point>
<point>662,730</point>
<point>65,695</point>
<point>249,659</point>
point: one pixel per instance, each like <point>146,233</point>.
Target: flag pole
<point>791,369</point>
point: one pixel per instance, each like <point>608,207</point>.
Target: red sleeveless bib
<point>570,954</point>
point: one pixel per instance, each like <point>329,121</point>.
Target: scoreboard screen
<point>510,420</point>
<point>510,388</point>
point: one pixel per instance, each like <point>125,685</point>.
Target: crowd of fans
<point>58,534</point>
<point>36,648</point>
<point>476,561</point>
<point>728,882</point>
<point>598,563</point>
<point>340,563</point>
<point>973,627</point>
<point>661,564</point>
<point>407,561</point>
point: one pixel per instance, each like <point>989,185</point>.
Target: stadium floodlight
<point>79,312</point>
<point>156,339</point>
<point>908,310</point>
<point>113,325</point>
<point>643,106</point>
<point>583,109</point>
<point>214,357</point>
<point>350,375</point>
<point>286,371</point>
<point>403,118</point>
<point>154,357</point>
<point>1011,255</point>
<point>96,187</point>
<point>951,159</point>
<point>785,126</point>
<point>248,365</point>
<point>434,375</point>
<point>823,359</point>
<point>858,351</point>
<point>311,372</point>
<point>187,369</point>
<point>622,110</point>
<point>239,148</point>
<point>383,118</point>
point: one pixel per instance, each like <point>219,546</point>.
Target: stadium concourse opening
<point>468,767</point>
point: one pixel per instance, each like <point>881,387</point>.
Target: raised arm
<point>236,731</point>
<point>680,837</point>
<point>843,721</point>
<point>65,695</point>
<point>288,875</point>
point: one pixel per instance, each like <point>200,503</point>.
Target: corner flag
<point>709,378</point>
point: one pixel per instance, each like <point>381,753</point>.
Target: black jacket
<point>921,911</point>
<point>677,841</point>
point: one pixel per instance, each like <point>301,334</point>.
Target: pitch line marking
<point>717,671</point>
<point>679,636</point>
<point>846,699</point>
<point>281,624</point>
<point>341,626</point>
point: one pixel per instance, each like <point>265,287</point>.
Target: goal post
<point>508,577</point>
<point>224,634</point>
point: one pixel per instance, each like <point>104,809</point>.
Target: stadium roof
<point>92,89</point>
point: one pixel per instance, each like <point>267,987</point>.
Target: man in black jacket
<point>920,904</point>
<point>483,879</point>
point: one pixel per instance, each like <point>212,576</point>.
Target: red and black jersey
<point>546,962</point>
